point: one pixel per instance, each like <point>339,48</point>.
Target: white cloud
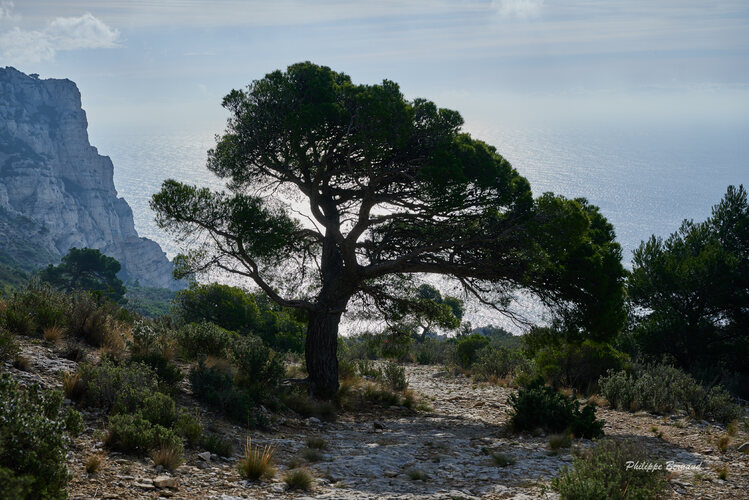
<point>518,8</point>
<point>63,33</point>
<point>6,11</point>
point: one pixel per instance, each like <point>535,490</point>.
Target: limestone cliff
<point>56,191</point>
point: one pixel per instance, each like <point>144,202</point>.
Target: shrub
<point>367,369</point>
<point>304,405</point>
<point>204,339</point>
<point>502,459</point>
<point>317,443</point>
<point>169,456</point>
<point>34,308</point>
<point>89,318</point>
<point>256,462</point>
<point>663,389</point>
<point>218,445</point>
<point>312,455</point>
<point>168,373</point>
<point>432,352</point>
<point>259,369</point>
<point>134,434</point>
<point>93,462</point>
<point>578,365</point>
<point>500,363</point>
<point>468,349</point>
<point>8,346</point>
<point>159,409</point>
<point>603,472</point>
<point>563,440</point>
<point>298,479</point>
<point>116,387</point>
<point>189,426</point>
<point>32,441</point>
<point>540,406</point>
<point>216,388</point>
<point>395,376</point>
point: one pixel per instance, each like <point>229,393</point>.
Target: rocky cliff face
<point>56,191</point>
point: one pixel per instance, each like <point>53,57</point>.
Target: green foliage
<point>539,406</point>
<point>603,473</point>
<point>159,409</point>
<point>468,349</point>
<point>35,307</point>
<point>259,368</point>
<point>663,389</point>
<point>149,302</point>
<point>204,339</point>
<point>395,376</point>
<point>87,269</point>
<point>33,442</point>
<point>167,372</point>
<point>89,318</point>
<point>578,365</point>
<point>116,387</point>
<point>691,290</point>
<point>218,445</point>
<point>8,345</point>
<point>132,433</point>
<point>189,426</point>
<point>432,352</point>
<point>500,363</point>
<point>216,388</point>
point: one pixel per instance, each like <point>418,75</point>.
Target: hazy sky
<point>167,63</point>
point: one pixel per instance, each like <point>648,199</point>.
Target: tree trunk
<point>321,351</point>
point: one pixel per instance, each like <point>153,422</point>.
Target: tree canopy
<point>691,291</point>
<point>344,196</point>
<point>87,269</point>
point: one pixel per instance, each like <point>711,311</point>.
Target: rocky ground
<point>444,453</point>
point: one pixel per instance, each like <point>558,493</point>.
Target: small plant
<point>557,441</point>
<point>8,347</point>
<point>381,395</point>
<point>93,462</point>
<point>196,339</point>
<point>317,443</point>
<point>395,376</point>
<point>468,349</point>
<point>308,407</point>
<point>256,462</point>
<point>71,385</point>
<point>722,472</point>
<point>189,426</point>
<point>722,442</point>
<point>312,454</point>
<point>732,428</point>
<point>159,409</point>
<point>606,471</point>
<point>417,475</point>
<point>298,479</point>
<point>502,459</point>
<point>539,406</point>
<point>218,445</point>
<point>53,333</point>
<point>168,455</point>
<point>22,363</point>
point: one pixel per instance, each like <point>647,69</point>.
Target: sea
<point>645,177</point>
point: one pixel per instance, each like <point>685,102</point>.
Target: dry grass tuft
<point>502,459</point>
<point>168,457</point>
<point>54,333</point>
<point>317,443</point>
<point>72,386</point>
<point>557,441</point>
<point>723,442</point>
<point>257,462</point>
<point>93,463</point>
<point>298,479</point>
<point>732,428</point>
<point>22,363</point>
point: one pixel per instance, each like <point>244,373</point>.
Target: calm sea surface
<point>645,179</point>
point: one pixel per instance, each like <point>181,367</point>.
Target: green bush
<point>663,389</point>
<point>367,368</point>
<point>35,307</point>
<point>259,368</point>
<point>468,349</point>
<point>578,365</point>
<point>168,373</point>
<point>32,441</point>
<point>218,445</point>
<point>395,376</point>
<point>8,346</point>
<point>159,409</point>
<point>539,406</point>
<point>189,426</point>
<point>204,339</point>
<point>501,362</point>
<point>116,387</point>
<point>90,317</point>
<point>216,388</point>
<point>432,352</point>
<point>135,434</point>
<point>602,473</point>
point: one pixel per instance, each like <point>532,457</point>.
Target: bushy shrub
<point>218,445</point>
<point>216,388</point>
<point>8,345</point>
<point>32,441</point>
<point>135,434</point>
<point>259,368</point>
<point>603,472</point>
<point>204,339</point>
<point>168,373</point>
<point>395,376</point>
<point>397,344</point>
<point>159,409</point>
<point>35,307</point>
<point>90,318</point>
<point>368,369</point>
<point>189,426</point>
<point>578,365</point>
<point>500,363</point>
<point>116,387</point>
<point>468,348</point>
<point>432,352</point>
<point>663,389</point>
<point>539,406</point>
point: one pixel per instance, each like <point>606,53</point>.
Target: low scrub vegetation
<point>257,462</point>
<point>298,479</point>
